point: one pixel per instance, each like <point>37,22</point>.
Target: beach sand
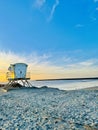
<point>49,109</point>
<point>92,88</point>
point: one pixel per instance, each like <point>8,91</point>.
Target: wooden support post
<point>12,83</point>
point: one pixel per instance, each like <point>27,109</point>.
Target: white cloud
<point>93,19</point>
<point>53,9</point>
<point>97,8</point>
<point>91,63</point>
<point>39,3</point>
<point>43,66</point>
<point>95,1</point>
<point>79,25</point>
<point>37,63</point>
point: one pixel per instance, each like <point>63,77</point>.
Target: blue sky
<point>60,34</point>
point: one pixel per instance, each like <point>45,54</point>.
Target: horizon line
<point>86,78</point>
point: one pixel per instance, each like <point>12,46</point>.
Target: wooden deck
<point>15,79</point>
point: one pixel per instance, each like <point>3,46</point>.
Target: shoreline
<point>19,87</point>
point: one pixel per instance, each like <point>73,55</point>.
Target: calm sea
<point>66,84</point>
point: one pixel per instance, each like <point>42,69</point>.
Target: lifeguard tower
<point>18,75</point>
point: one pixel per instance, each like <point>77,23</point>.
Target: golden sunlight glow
<point>44,70</point>
<point>3,77</point>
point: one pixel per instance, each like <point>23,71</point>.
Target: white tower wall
<point>20,70</point>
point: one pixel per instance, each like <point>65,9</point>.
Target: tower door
<point>20,71</point>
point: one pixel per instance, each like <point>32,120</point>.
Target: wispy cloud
<point>48,9</point>
<point>91,9</point>
<point>97,8</point>
<point>95,1</point>
<point>39,3</point>
<point>79,25</point>
<point>43,66</point>
<point>53,10</point>
<point>93,19</point>
<point>93,13</point>
<point>39,65</point>
<point>84,64</point>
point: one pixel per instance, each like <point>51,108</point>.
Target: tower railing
<point>11,75</point>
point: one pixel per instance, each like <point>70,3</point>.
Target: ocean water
<point>66,84</point>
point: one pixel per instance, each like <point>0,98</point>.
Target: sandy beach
<point>49,109</point>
